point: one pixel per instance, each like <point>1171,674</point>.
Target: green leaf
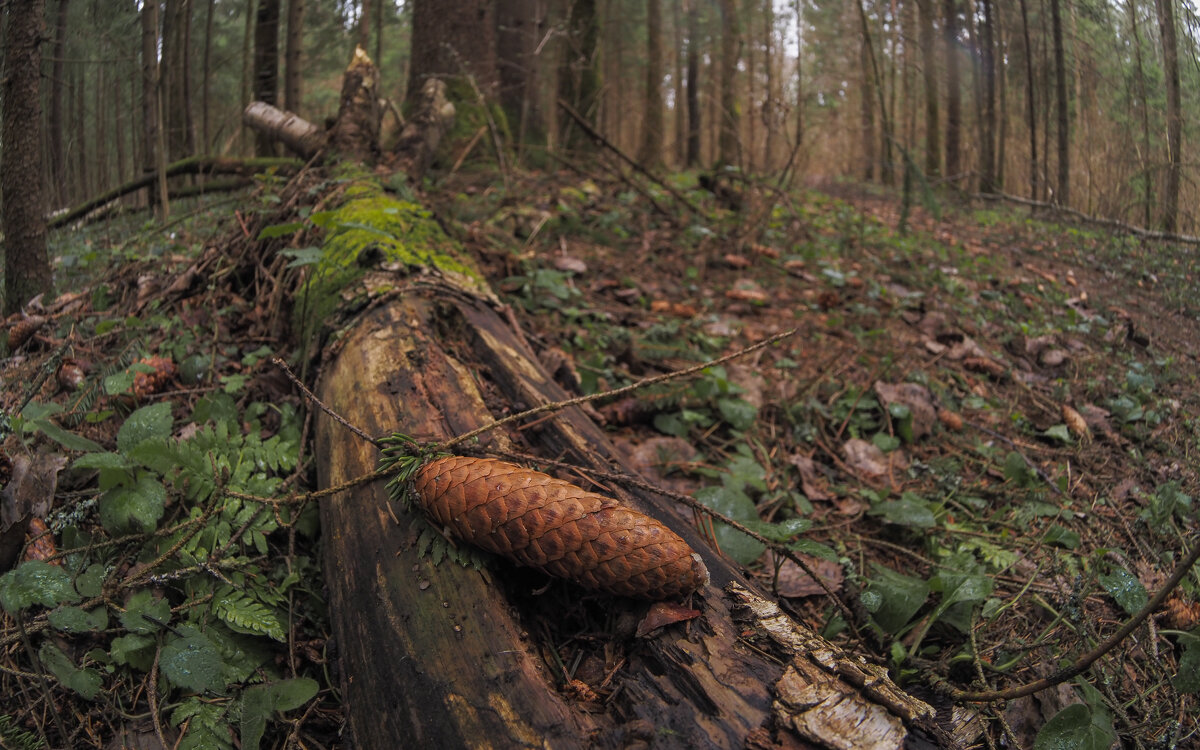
<point>261,701</point>
<point>1017,471</point>
<point>304,256</point>
<point>739,413</point>
<point>35,582</point>
<point>736,505</point>
<point>68,440</point>
<point>91,581</point>
<point>1061,536</point>
<point>1187,679</point>
<point>153,421</point>
<point>279,230</point>
<point>885,442</point>
<point>78,620</point>
<point>246,615</point>
<point>102,461</point>
<point>816,549</point>
<point>902,419</point>
<point>784,531</point>
<point>1060,433</point>
<point>134,649</point>
<point>144,614</point>
<point>897,598</point>
<point>1076,727</point>
<point>191,661</point>
<point>909,510</point>
<point>133,509</point>
<point>86,682</point>
<point>1125,589</point>
<point>121,382</point>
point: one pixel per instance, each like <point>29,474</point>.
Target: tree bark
<point>364,24</point>
<point>519,25</point>
<point>933,146</point>
<point>1063,194</point>
<point>693,84</point>
<point>1166,27</point>
<point>987,145</point>
<point>727,144</point>
<point>579,77</point>
<point>453,39</point>
<point>1030,108</point>
<point>58,164</point>
<point>266,63</point>
<point>650,152</point>
<point>292,56</point>
<point>26,264</point>
<point>953,89</point>
<point>206,81</point>
<point>678,108</point>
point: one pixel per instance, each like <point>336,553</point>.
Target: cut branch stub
<point>536,520</point>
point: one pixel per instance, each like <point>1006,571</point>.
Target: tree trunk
<point>1063,195</point>
<point>58,164</point>
<point>452,39</point>
<point>518,33</point>
<point>247,70</point>
<point>1030,109</point>
<point>206,82</point>
<point>364,24</point>
<point>292,56</point>
<point>266,63</point>
<point>727,144</point>
<point>693,85</point>
<point>81,131</point>
<point>650,152</point>
<point>1166,27</point>
<point>678,108</point>
<point>987,145</point>
<point>933,146</point>
<point>953,90</point>
<point>866,111</point>
<point>26,265</point>
<point>578,77</point>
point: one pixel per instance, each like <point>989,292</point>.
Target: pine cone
<point>565,531</point>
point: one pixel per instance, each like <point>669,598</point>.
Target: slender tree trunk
<point>58,163</point>
<point>266,64</point>
<point>518,26</point>
<point>799,74</point>
<point>933,146</point>
<point>680,94</point>
<point>771,97</point>
<point>26,264</point>
<point>953,90</point>
<point>118,127</point>
<point>987,145</point>
<point>452,39</point>
<point>728,141</point>
<point>866,110</point>
<point>1145,182</point>
<point>100,138</point>
<point>247,70</point>
<point>1063,195</point>
<point>693,84</point>
<point>579,79</point>
<point>379,32</point>
<point>650,152</point>
<point>1001,79</point>
<point>364,25</point>
<point>1030,109</point>
<point>293,56</point>
<point>749,43</point>
<point>206,84</point>
<point>1166,27</point>
<point>81,132</point>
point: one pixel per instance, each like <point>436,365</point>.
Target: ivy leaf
<point>77,619</point>
<point>736,505</point>
<point>86,682</point>
<point>191,661</point>
<point>261,701</point>
<point>153,421</point>
<point>91,581</point>
<point>133,509</point>
<point>134,649</point>
<point>1061,536</point>
<point>894,599</point>
<point>1076,727</point>
<point>1060,433</point>
<point>35,582</point>
<point>1125,589</point>
<point>144,614</point>
<point>739,413</point>
<point>909,510</point>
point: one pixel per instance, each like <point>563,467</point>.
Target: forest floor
<point>986,426</point>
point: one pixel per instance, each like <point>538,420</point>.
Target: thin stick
<point>313,397</point>
<point>1090,657</point>
<point>559,405</point>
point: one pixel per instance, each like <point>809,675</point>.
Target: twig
<point>560,405</point>
<point>1085,661</point>
<point>313,397</point>
<point>596,136</point>
<point>1148,234</point>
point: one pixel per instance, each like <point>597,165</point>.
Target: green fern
<point>245,614</point>
<point>14,738</point>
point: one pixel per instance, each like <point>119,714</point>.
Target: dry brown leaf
<point>950,420</point>
<point>733,260</point>
<point>984,365</point>
<point>865,458</point>
<point>811,483</point>
<point>662,614</point>
<point>794,582</point>
<point>916,397</point>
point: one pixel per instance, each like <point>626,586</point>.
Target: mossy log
<point>453,657</point>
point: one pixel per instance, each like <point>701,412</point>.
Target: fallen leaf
<point>916,397</point>
<point>570,263</point>
<point>811,484</point>
<point>662,614</point>
<point>794,582</point>
<point>950,420</point>
<point>984,365</point>
<point>733,260</point>
<point>1076,423</point>
<point>865,458</point>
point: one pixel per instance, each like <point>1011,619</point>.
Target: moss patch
<point>371,231</point>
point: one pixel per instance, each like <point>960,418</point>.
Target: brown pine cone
<point>536,520</point>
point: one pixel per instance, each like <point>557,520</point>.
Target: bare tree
<point>292,56</point>
<point>1030,109</point>
<point>1166,27</point>
<point>266,63</point>
<point>693,84</point>
<point>953,92</point>
<point>26,265</point>
<point>1062,196</point>
<point>58,165</point>
<point>650,152</point>
<point>727,143</point>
